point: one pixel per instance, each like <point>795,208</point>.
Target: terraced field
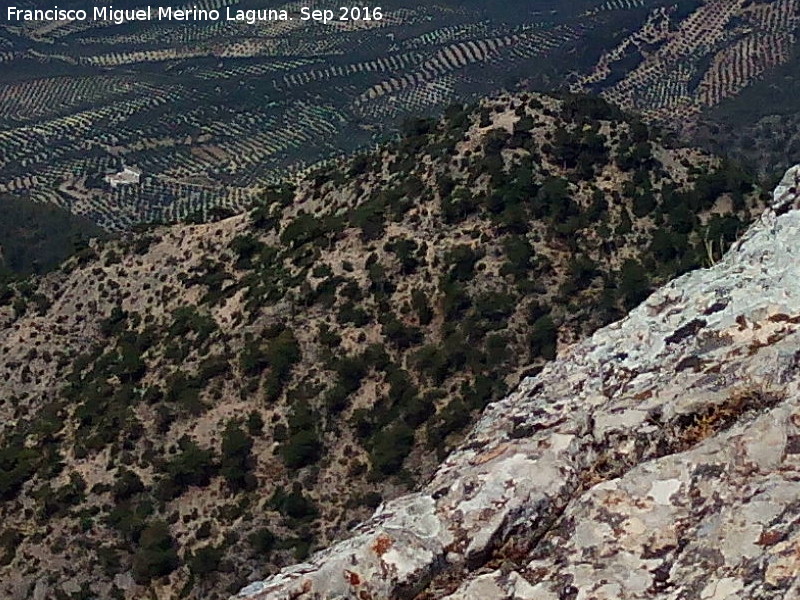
<point>679,68</point>
<point>214,112</point>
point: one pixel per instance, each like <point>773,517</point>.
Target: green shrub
<point>126,485</point>
<point>452,418</point>
<point>130,518</point>
<point>350,313</point>
<point>585,107</point>
<point>303,229</point>
<point>462,260</point>
<point>458,205</point>
<point>10,540</point>
<point>283,352</point>
<point>17,464</point>
<point>370,217</point>
<point>302,446</point>
<point>336,399</point>
<point>214,366</point>
<point>495,307</point>
<point>187,320</point>
<point>498,350</point>
<point>246,248</point>
<point>56,502</point>
<point>184,390</point>
<point>543,338</point>
<point>262,218</point>
<point>156,555</point>
<point>294,505</point>
<point>406,251</point>
<point>327,337</point>
<point>263,541</point>
<point>525,124</point>
<point>581,270</point>
<point>236,458</point>
<point>255,424</point>
<point>193,466</point>
<point>457,116</point>
<point>417,410</point>
<point>205,560</point>
<point>634,284</point>
<point>402,336</point>
<point>519,257</point>
<point>455,300</point>
<point>390,447</point>
<point>280,354</point>
<point>351,370</point>
<point>253,359</point>
<point>420,304</point>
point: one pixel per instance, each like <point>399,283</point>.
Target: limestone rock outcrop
<point>660,458</point>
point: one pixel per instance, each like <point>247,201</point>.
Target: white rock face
<point>658,459</point>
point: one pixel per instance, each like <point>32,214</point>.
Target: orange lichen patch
<point>515,551</point>
<point>352,578</point>
<point>776,337</point>
<point>786,565</point>
<point>768,538</point>
<point>490,454</point>
<point>612,499</point>
<point>382,545</point>
<point>784,318</point>
<point>773,338</point>
<point>742,322</point>
<point>693,428</point>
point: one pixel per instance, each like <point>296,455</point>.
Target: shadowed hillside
<point>35,238</point>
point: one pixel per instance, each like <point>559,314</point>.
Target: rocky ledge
<point>658,459</point>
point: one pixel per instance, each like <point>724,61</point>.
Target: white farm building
<point>128,176</point>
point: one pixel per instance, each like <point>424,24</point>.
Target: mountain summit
<point>657,459</point>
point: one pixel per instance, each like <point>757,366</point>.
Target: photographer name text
<point>162,13</point>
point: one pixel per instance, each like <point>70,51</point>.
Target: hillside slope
<point>657,459</point>
<point>190,408</point>
<point>760,125</point>
<point>35,238</point>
